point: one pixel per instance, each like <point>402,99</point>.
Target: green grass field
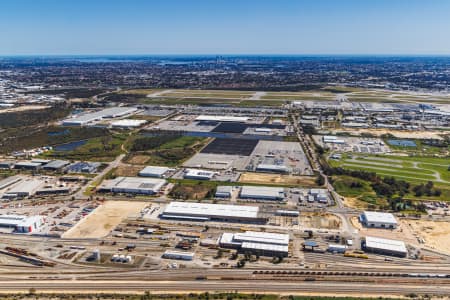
<point>415,170</point>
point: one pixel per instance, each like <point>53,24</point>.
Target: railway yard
<point>244,199</point>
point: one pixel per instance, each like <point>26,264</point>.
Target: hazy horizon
<point>200,27</point>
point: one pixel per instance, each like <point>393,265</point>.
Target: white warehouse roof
<point>379,217</point>
<point>128,123</point>
<point>385,244</point>
<point>221,118</point>
<point>265,192</point>
<point>96,116</point>
<point>134,185</point>
<point>215,210</point>
<point>19,220</point>
<point>153,171</point>
<point>263,237</point>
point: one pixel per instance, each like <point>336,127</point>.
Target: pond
<point>69,146</point>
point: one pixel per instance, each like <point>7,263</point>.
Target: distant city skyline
<point>231,27</point>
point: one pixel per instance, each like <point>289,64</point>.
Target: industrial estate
<point>155,189</point>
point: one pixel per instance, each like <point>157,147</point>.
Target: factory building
<point>261,243</point>
<point>6,165</point>
<point>128,123</point>
<point>133,185</point>
<point>24,188</point>
<point>212,212</point>
<point>262,193</point>
<point>272,168</point>
<point>22,224</point>
<point>332,139</point>
<point>4,183</point>
<point>85,119</point>
<point>374,219</point>
<point>153,171</point>
<point>224,191</point>
<point>56,165</point>
<point>168,254</point>
<point>221,118</point>
<point>28,165</point>
<point>385,246</point>
<point>198,174</point>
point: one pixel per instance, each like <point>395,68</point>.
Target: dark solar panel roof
<point>231,146</point>
<point>230,127</point>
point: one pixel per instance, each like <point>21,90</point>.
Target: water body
<point>70,146</point>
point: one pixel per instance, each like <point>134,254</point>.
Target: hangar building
<point>385,246</point>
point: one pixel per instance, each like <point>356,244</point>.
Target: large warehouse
<point>24,188</point>
<point>262,193</point>
<point>378,220</point>
<point>213,212</point>
<point>262,243</point>
<point>154,171</point>
<point>385,246</point>
<point>85,119</point>
<point>22,224</point>
<point>133,185</point>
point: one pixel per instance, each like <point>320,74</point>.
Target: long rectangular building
<point>213,212</point>
<point>261,243</point>
<point>262,193</point>
<point>378,219</point>
<point>385,246</point>
<point>113,112</point>
<point>22,224</point>
<point>133,185</point>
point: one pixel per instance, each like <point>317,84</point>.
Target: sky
<point>100,27</point>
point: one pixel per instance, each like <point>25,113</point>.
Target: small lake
<point>69,146</point>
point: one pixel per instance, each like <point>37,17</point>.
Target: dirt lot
<point>397,133</point>
<point>138,159</point>
<point>277,179</point>
<point>24,108</point>
<point>320,220</point>
<point>102,220</point>
<point>435,234</point>
<point>355,203</point>
<point>127,170</point>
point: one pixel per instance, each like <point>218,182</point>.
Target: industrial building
<point>133,185</point>
<point>224,191</point>
<point>24,188</point>
<point>83,167</point>
<point>85,119</point>
<point>332,139</point>
<point>221,118</point>
<point>261,243</point>
<point>153,171</point>
<point>262,193</point>
<point>385,246</point>
<point>378,220</point>
<point>168,254</point>
<point>28,165</point>
<point>128,123</point>
<point>22,224</point>
<point>6,164</point>
<point>4,183</point>
<point>270,168</point>
<point>198,174</point>
<point>56,165</point>
<point>212,212</point>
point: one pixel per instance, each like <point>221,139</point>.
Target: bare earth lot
<point>276,179</point>
<point>102,220</point>
<point>435,234</point>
